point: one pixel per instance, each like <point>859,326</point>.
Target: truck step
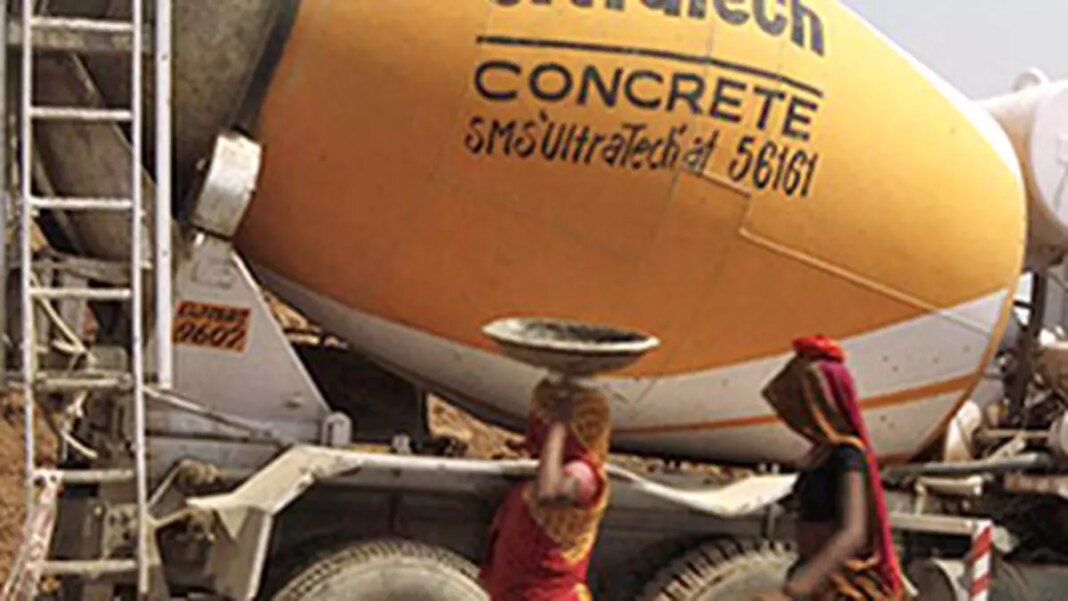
<point>91,294</point>
<point>82,25</point>
<point>82,203</point>
<point>90,568</point>
<point>85,115</point>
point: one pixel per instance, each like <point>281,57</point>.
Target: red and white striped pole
<point>979,560</point>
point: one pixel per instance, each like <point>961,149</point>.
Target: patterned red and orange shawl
<point>819,379</point>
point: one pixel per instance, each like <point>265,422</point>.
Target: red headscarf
<point>819,347</point>
<point>831,359</point>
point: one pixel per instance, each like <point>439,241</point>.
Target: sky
<point>980,46</point>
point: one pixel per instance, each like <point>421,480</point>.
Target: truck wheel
<point>722,570</point>
<point>386,570</point>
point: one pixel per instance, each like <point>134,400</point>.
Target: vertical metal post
<point>162,263</point>
<point>1025,363</point>
<point>136,297</point>
<point>5,198</point>
<point>25,257</point>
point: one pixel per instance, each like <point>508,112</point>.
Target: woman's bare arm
<point>849,539</point>
<point>554,485</point>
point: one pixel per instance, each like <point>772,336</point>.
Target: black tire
<point>386,570</point>
<point>722,570</point>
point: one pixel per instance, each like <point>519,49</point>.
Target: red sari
<point>831,396</point>
<point>539,553</point>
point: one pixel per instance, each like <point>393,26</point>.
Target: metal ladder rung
<point>47,39</point>
<point>88,115</point>
<point>87,476</point>
<point>82,203</point>
<point>90,568</point>
<point>88,382</point>
<point>104,272</point>
<point>83,25</point>
<point>92,294</point>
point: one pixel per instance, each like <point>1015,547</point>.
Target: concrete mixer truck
<point>727,175</point>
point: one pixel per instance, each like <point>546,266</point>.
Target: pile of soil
<point>12,478</point>
<point>11,487</point>
<point>478,439</point>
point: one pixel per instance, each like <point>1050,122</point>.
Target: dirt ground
<point>12,490</point>
<point>481,440</point>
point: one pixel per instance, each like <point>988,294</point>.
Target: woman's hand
<point>562,406</point>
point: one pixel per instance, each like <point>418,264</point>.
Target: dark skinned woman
<point>843,533</point>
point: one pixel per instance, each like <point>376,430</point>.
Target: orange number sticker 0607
<point>213,326</point>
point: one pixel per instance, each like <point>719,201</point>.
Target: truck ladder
<point>37,295</point>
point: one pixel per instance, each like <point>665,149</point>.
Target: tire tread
<point>687,576</point>
<point>329,564</point>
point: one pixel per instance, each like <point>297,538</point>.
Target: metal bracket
<point>1043,485</point>
<point>948,525</point>
<point>337,430</point>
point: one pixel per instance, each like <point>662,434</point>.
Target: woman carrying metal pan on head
<point>543,534</point>
<point>843,532</point>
